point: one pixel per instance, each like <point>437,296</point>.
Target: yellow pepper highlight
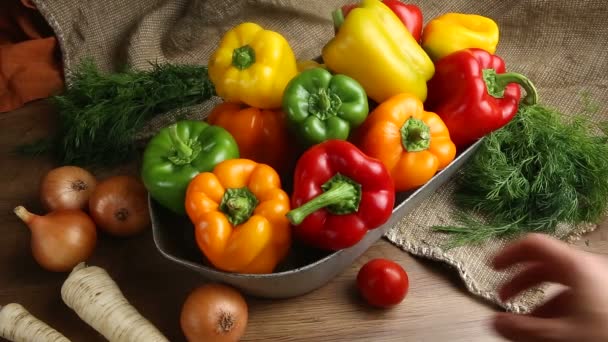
<point>453,32</point>
<point>252,66</point>
<point>374,47</point>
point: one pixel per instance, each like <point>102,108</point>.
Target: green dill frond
<point>535,172</point>
<point>101,113</point>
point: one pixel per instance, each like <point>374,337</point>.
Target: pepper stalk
<point>184,151</point>
<point>415,135</point>
<point>238,205</point>
<point>243,57</point>
<point>341,195</point>
<point>496,84</point>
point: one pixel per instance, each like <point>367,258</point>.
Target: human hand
<point>577,313</point>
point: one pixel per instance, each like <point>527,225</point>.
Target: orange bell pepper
<point>412,143</point>
<point>239,214</point>
<point>261,135</point>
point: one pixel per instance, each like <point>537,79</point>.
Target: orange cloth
<point>30,63</point>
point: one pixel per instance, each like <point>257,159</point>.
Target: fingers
<point>527,328</point>
<point>541,249</point>
<point>557,306</point>
<point>534,275</point>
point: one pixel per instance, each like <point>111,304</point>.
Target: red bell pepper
<point>339,194</point>
<point>473,94</point>
<point>410,15</point>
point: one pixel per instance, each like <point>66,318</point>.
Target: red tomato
<point>382,283</point>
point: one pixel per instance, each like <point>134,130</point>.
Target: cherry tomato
<point>382,283</point>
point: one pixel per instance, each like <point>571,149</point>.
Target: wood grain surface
<point>437,307</point>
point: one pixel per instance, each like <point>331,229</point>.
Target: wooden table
<point>437,308</point>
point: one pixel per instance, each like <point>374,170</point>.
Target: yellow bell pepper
<point>453,32</point>
<point>252,66</point>
<point>373,46</point>
<point>239,215</point>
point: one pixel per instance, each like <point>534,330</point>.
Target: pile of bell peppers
<point>388,106</point>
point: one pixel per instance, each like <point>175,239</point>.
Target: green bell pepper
<point>320,106</point>
<point>177,153</point>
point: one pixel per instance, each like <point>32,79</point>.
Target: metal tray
<point>305,269</point>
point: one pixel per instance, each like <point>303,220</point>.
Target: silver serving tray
<point>305,269</point>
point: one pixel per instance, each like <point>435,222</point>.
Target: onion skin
<point>66,187</point>
<point>119,206</point>
<point>214,312</point>
<point>60,239</point>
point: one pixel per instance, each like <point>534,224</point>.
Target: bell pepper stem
<point>415,135</point>
<point>338,18</point>
<point>324,104</point>
<point>182,149</point>
<point>185,152</point>
<point>238,204</point>
<point>243,57</point>
<point>341,196</point>
<point>496,84</point>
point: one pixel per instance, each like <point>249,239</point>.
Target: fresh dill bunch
<point>529,176</point>
<point>101,113</point>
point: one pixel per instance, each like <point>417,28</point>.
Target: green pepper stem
<point>324,104</point>
<point>243,57</point>
<point>496,84</point>
<point>338,18</point>
<point>183,150</point>
<point>415,135</point>
<point>238,205</point>
<point>341,196</point>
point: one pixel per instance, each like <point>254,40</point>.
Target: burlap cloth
<point>561,45</point>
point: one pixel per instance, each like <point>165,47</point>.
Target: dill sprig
<point>536,172</point>
<point>101,113</point>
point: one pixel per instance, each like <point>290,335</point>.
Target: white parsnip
<point>19,325</point>
<point>97,299</point>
